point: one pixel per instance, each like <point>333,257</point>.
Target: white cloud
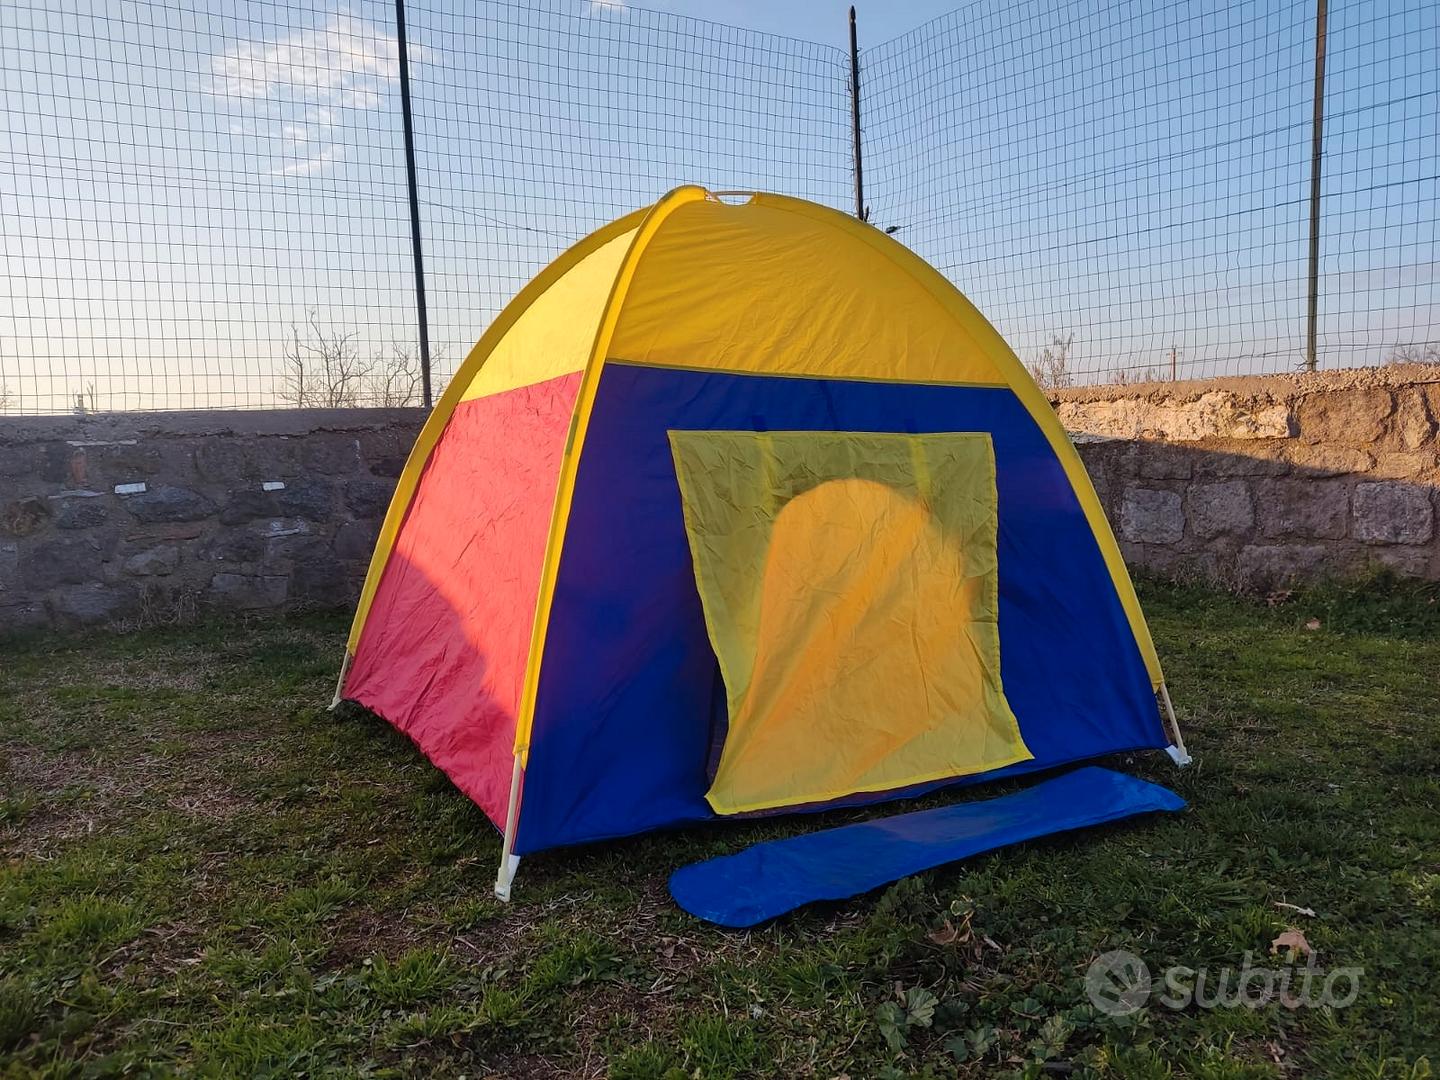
<point>604,7</point>
<point>301,85</point>
<point>347,61</point>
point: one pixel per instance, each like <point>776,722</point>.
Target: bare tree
<point>325,370</point>
<point>1051,369</point>
<point>5,399</point>
<point>395,381</point>
<point>1423,352</point>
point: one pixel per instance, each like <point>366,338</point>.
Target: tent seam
<point>649,227</point>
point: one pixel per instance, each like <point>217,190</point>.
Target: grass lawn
<point>203,871</point>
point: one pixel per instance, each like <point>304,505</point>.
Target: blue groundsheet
<point>769,879</point>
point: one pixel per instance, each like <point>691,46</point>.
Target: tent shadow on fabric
<point>441,704</point>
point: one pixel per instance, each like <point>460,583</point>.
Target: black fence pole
<point>414,203</point>
<point>1317,150</point>
<point>855,120</point>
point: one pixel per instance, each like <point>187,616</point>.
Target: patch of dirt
<point>361,933</point>
<point>538,1067</point>
<point>78,793</point>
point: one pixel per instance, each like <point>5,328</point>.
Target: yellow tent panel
<point>849,587</point>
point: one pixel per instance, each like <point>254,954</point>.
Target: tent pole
<point>340,682</point>
<point>1176,750</point>
<point>509,862</point>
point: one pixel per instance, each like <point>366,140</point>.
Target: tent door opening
<point>848,582</point>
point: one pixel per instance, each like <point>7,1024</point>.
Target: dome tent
<point>741,508</point>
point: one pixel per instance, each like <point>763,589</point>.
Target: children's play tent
<point>741,507</point>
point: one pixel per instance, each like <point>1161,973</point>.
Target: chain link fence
<point>1124,188</point>
<point>209,208</point>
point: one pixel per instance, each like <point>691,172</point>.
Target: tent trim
<point>650,223</point>
<point>654,218</point>
<point>876,379</point>
<point>454,393</point>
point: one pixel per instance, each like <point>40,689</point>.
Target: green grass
<point>203,872</point>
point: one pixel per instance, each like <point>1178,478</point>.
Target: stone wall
<point>1255,481</point>
<point>136,518</point>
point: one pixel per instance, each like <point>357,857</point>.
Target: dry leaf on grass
<point>946,935</point>
<point>1293,940</point>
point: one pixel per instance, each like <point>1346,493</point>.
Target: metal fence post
<point>1317,138</point>
<point>416,247</point>
<point>860,211</point>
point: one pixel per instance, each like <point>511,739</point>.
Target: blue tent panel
<point>627,691</point>
<point>769,879</point>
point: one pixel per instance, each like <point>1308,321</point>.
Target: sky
<point>182,188</point>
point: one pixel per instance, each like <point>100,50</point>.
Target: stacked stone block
<point>133,518</point>
<point>126,519</point>
<point>1257,482</point>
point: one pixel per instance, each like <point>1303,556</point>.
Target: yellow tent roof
<point>774,286</point>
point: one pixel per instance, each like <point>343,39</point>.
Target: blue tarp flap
<point>770,879</point>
